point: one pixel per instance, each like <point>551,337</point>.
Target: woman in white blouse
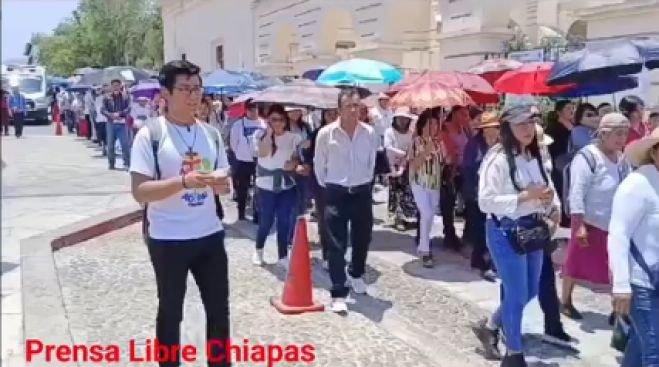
<point>276,164</point>
<point>397,142</point>
<point>516,192</point>
<point>633,244</point>
<point>595,173</point>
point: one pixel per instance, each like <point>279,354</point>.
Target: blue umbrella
<point>599,88</point>
<point>360,72</point>
<point>225,82</point>
<point>313,74</point>
<point>603,60</point>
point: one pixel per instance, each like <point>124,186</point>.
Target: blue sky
<point>21,18</point>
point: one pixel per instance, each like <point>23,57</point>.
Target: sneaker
<point>358,285</point>
<point>489,340</point>
<point>570,312</point>
<point>514,360</point>
<point>257,258</point>
<point>283,263</point>
<point>339,306</point>
<point>559,338</point>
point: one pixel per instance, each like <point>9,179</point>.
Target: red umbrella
<point>478,88</point>
<point>431,93</point>
<point>530,79</point>
<point>493,69</point>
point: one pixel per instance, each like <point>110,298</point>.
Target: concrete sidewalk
<point>48,182</point>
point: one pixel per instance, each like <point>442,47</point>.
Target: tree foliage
<point>103,33</point>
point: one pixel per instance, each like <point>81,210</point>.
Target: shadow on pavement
<point>593,321</point>
<point>7,266</point>
<point>445,272</point>
<point>534,347</point>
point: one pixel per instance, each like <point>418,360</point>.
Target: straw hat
<point>638,152</point>
<point>489,119</point>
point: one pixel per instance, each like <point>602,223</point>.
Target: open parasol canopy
<point>478,88</point>
<point>360,72</point>
<point>530,79</point>
<point>606,59</point>
<point>299,93</point>
<point>429,94</point>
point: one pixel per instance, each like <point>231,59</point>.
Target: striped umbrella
<point>429,94</point>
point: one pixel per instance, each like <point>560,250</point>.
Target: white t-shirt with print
<point>188,214</point>
<point>286,149</point>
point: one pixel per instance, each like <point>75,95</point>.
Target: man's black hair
<point>118,81</point>
<point>653,115</point>
<point>169,71</point>
<point>604,104</point>
<point>347,93</point>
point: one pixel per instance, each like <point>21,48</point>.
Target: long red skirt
<point>590,263</point>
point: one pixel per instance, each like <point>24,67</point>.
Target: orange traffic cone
<point>298,293</point>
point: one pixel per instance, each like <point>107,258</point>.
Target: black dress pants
<point>206,259</point>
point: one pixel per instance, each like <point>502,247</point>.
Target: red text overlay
<point>151,350</point>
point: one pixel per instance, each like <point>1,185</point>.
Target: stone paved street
<point>412,317</point>
<point>48,182</point>
<point>412,310</point>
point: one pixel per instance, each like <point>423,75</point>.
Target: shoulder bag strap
<point>636,254</point>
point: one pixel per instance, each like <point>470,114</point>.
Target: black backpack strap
<point>155,135</point>
<point>154,128</point>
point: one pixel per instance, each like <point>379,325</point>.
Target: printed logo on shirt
<point>192,161</point>
<point>250,131</point>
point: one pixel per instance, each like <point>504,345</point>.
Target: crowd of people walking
<point>515,176</point>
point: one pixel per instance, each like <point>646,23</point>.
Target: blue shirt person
<point>17,102</point>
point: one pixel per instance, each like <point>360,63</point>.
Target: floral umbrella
<point>429,94</point>
<point>479,89</point>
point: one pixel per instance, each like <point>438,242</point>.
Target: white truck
<point>31,81</point>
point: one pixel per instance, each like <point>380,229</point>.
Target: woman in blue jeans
<point>515,187</point>
<point>276,163</point>
<point>633,246</point>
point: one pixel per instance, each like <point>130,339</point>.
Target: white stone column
<point>472,29</point>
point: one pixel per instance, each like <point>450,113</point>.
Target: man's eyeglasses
<point>190,90</point>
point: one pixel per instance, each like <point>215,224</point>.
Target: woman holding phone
<point>516,192</point>
<point>275,168</point>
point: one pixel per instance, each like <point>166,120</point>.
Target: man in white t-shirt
<point>179,183</point>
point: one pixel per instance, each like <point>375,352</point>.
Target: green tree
<point>104,33</point>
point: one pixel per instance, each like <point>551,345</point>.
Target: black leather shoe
<point>513,360</point>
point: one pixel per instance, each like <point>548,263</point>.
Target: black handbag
<point>526,234</point>
<point>621,333</point>
<point>382,166</point>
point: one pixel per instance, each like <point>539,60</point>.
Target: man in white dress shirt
<point>344,162</point>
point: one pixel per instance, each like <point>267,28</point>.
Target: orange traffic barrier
<point>298,293</point>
